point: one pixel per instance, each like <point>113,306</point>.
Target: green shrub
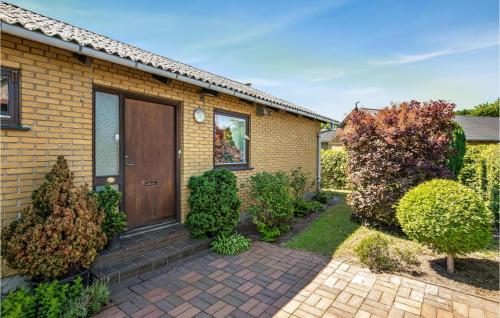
<point>334,169</point>
<point>455,161</point>
<point>59,233</point>
<point>214,203</point>
<point>381,254</point>
<point>114,220</point>
<point>446,216</point>
<point>54,300</point>
<point>322,197</point>
<point>481,171</point>
<point>302,207</point>
<point>271,205</point>
<point>231,245</point>
<point>46,300</point>
<point>298,183</point>
<point>373,251</point>
<point>19,304</point>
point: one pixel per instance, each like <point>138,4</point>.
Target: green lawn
<point>334,234</point>
<point>327,232</point>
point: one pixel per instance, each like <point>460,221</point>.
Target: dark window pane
<point>230,139</point>
<point>4,96</point>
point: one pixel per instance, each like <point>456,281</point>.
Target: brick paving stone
<point>247,306</point>
<point>444,314</point>
<point>460,309</point>
<point>215,307</point>
<point>156,294</point>
<point>111,312</point>
<point>428,311</point>
<point>128,307</point>
<point>145,311</point>
<point>476,312</point>
<point>258,309</point>
<point>224,311</point>
<point>271,281</point>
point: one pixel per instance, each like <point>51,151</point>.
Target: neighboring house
<point>123,115</point>
<point>480,129</point>
<point>330,139</point>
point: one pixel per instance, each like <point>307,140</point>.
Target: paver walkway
<point>272,281</point>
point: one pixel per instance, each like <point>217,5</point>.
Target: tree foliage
<point>446,216</point>
<point>214,204</point>
<point>334,169</point>
<point>390,152</point>
<point>458,144</point>
<point>59,233</point>
<point>486,109</point>
<point>481,172</point>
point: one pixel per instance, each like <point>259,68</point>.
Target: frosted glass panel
<point>107,127</point>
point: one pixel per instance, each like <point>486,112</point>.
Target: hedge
<point>480,171</point>
<point>334,169</point>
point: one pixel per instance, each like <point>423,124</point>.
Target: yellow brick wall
<point>56,98</point>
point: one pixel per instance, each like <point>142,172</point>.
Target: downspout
<point>318,162</point>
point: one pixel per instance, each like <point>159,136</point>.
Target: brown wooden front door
<point>149,149</point>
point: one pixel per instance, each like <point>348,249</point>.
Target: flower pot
<point>84,274</point>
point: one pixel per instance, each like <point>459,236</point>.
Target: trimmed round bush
<point>446,216</point>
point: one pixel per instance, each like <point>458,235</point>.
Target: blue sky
<point>324,55</point>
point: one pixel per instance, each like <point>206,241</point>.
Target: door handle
<point>129,164</point>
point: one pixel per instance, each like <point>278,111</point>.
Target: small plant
<point>114,220</point>
<point>231,245</point>
<point>381,254</point>
<point>214,203</point>
<point>59,233</point>
<point>89,302</point>
<point>322,197</point>
<point>272,205</point>
<point>21,303</point>
<point>303,207</point>
<point>53,300</point>
<point>298,183</point>
<point>446,216</point>
<point>373,251</point>
<point>46,300</point>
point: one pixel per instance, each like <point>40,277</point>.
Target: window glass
<point>4,96</point>
<point>107,123</point>
<point>230,139</point>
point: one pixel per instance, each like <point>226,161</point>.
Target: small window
<point>231,140</point>
<point>9,95</point>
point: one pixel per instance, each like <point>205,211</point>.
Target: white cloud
<point>289,18</point>
<point>325,76</point>
<point>405,59</point>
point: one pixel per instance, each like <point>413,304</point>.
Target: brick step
<point>141,243</point>
<point>139,264</point>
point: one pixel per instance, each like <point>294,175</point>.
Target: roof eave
<point>76,48</point>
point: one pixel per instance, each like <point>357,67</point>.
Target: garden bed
<point>334,234</point>
<point>247,228</point>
